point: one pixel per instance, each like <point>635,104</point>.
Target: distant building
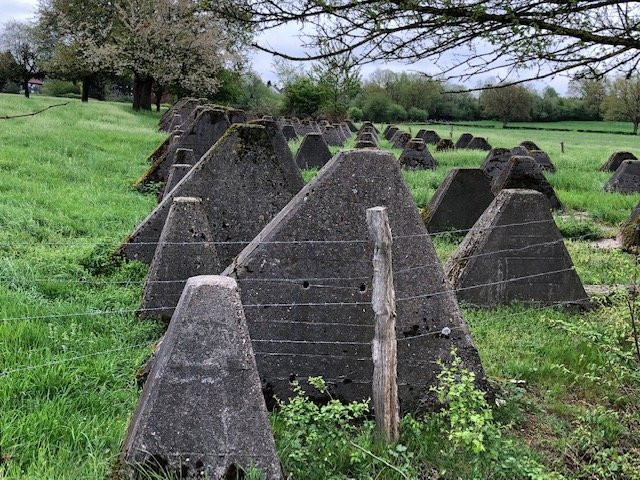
<point>35,85</point>
<point>273,87</point>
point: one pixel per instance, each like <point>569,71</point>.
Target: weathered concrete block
<point>520,151</point>
<point>313,152</point>
<point>391,132</point>
<point>429,136</point>
<point>243,183</point>
<point>463,141</point>
<point>543,160</point>
<point>626,179</point>
<point>332,136</point>
<point>346,129</point>
<point>444,144</point>
<point>367,123</point>
<point>178,172</point>
<point>400,139</point>
<point>281,147</point>
<point>352,127</point>
<point>529,145</point>
<point>495,161</point>
<point>416,156</point>
<point>289,132</point>
<point>365,144</point>
<point>166,117</point>
<point>198,136</point>
<point>478,143</point>
<point>369,130</point>
<point>308,302</point>
<point>524,173</point>
<point>616,159</point>
<point>367,137</point>
<point>183,109</point>
<point>459,201</point>
<point>236,116</point>
<point>183,251</point>
<point>629,236</point>
<point>201,413</point>
<point>162,148</point>
<point>515,253</point>
<point>176,122</point>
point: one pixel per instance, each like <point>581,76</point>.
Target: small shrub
<point>101,260</point>
<point>582,230</point>
<point>60,88</point>
<point>355,114</point>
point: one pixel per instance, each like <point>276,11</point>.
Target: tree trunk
<point>86,84</point>
<point>142,88</point>
<point>159,92</point>
<point>25,85</point>
<point>635,127</point>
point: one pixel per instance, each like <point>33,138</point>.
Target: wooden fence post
<point>384,347</point>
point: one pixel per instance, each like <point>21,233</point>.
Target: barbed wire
<point>444,332</point>
<point>116,243</point>
<point>297,280</point>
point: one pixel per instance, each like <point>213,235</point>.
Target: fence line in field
<point>446,331</point>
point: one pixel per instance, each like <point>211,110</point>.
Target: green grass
<point>67,386</point>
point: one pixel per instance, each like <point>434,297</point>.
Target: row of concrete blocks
<point>243,188</point>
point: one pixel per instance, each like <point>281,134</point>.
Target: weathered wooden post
<point>384,347</point>
<point>562,147</point>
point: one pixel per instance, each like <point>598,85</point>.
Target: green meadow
<point>567,383</point>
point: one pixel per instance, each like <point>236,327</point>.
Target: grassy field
<point>568,383</point>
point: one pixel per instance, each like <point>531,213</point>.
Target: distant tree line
<point>161,46</point>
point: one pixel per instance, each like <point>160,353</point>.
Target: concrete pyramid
<point>459,201</point>
<point>630,232</point>
<point>495,161</point>
<point>626,178</point>
<point>306,287</point>
<point>178,172</point>
<point>351,126</point>
<point>400,139</point>
<point>162,148</point>
<point>201,413</point>
<point>391,132</point>
<point>515,253</point>
<point>616,159</point>
<point>366,124</point>
<point>199,136</point>
<point>464,140</point>
<point>429,136</point>
<point>313,151</point>
<point>183,251</point>
<point>281,147</point>
<point>543,160</point>
<point>416,156</point>
<point>444,144</point>
<point>289,132</point>
<point>367,137</point>
<point>478,143</point>
<point>166,117</point>
<point>183,108</point>
<point>529,145</point>
<point>242,182</point>
<point>332,136</point>
<point>524,173</point>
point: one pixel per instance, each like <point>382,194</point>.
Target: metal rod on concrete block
<point>385,347</point>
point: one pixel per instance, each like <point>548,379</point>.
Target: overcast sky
<point>283,40</point>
